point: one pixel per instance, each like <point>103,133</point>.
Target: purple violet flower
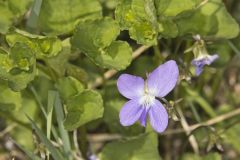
<point>201,56</point>
<point>143,96</point>
<point>201,61</point>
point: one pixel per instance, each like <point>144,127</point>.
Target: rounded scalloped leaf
<point>9,100</point>
<point>118,55</point>
<point>83,108</point>
<point>96,39</point>
<point>18,66</point>
<point>69,87</point>
<point>211,19</point>
<point>43,47</point>
<point>139,17</point>
<point>10,10</point>
<point>95,35</point>
<point>171,8</point>
<point>61,16</point>
<point>142,147</point>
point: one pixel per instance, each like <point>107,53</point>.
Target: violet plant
<point>63,81</point>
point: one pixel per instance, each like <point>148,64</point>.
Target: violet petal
<point>143,117</point>
<point>130,112</point>
<point>212,58</point>
<point>163,79</point>
<point>201,62</point>
<point>158,117</point>
<point>198,70</point>
<point>130,86</point>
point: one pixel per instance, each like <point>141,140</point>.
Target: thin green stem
<point>157,55</point>
<point>195,113</point>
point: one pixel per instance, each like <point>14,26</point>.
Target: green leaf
<point>210,156</point>
<point>10,11</point>
<point>21,57</point>
<point>92,36</point>
<point>5,18</point>
<point>18,66</point>
<point>169,18</point>
<point>83,108</point>
<point>77,72</point>
<point>60,16</point>
<point>139,17</point>
<point>96,40</point>
<point>9,100</point>
<point>69,87</point>
<point>171,8</point>
<point>170,28</point>
<point>140,148</point>
<point>43,47</point>
<point>59,62</point>
<point>211,19</point>
<point>19,7</point>
<point>24,67</point>
<point>117,55</point>
<point>5,62</point>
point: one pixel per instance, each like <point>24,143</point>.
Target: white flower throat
<point>147,99</point>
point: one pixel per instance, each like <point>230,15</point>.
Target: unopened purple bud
<point>199,63</point>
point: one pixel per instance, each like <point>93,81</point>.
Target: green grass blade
<point>63,132</point>
<point>35,11</point>
<point>38,101</point>
<point>36,96</point>
<point>51,99</point>
<point>54,152</point>
<point>196,97</point>
<point>233,47</point>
